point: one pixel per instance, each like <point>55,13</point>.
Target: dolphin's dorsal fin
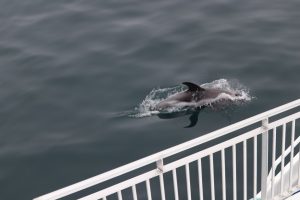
<point>193,87</point>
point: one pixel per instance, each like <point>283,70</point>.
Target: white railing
<point>231,163</point>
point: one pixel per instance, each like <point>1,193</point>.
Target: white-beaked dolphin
<point>195,97</point>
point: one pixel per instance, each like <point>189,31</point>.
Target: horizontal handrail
<point>174,164</point>
<point>191,158</point>
<point>166,153</point>
<point>281,122</point>
<point>286,152</point>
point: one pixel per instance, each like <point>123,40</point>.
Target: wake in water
<point>148,106</point>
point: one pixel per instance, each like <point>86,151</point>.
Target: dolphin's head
<point>232,93</point>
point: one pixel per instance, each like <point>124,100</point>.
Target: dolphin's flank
<point>195,97</point>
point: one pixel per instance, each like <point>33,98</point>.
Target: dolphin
<point>194,97</point>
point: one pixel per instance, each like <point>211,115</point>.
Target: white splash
<point>147,107</point>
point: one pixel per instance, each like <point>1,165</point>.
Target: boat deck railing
<point>256,158</point>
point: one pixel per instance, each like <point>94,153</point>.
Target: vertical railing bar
<point>255,167</point>
<point>175,183</point>
<point>245,168</point>
<point>162,186</point>
<point>264,159</point>
<point>234,170</point>
<point>188,181</point>
<point>200,179</point>
<point>212,177</point>
<point>282,157</point>
<point>134,194</point>
<point>148,190</point>
<point>120,195</point>
<point>223,175</point>
<point>299,167</point>
<point>104,198</point>
<point>299,164</point>
<point>273,162</point>
<point>292,155</point>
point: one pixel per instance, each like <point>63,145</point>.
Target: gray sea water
<point>71,71</point>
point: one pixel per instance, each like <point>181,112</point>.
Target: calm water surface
<point>69,68</point>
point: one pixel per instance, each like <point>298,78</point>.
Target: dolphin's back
<point>185,96</point>
<point>214,93</point>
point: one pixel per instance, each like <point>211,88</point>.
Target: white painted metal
<point>255,167</point>
<point>176,164</point>
<point>148,187</point>
<point>160,165</point>
<point>162,186</point>
<point>245,168</point>
<point>294,197</point>
<point>188,182</point>
<point>286,171</point>
<point>264,158</point>
<point>134,194</point>
<point>211,150</point>
<point>299,168</point>
<point>223,175</point>
<point>200,179</point>
<point>175,184</point>
<point>273,162</point>
<point>212,177</point>
<point>286,152</point>
<point>120,195</point>
<point>122,185</point>
<point>282,156</point>
<point>292,154</point>
<point>171,167</point>
<point>234,171</point>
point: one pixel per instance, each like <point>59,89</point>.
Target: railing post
<point>160,165</point>
<point>160,170</point>
<point>264,159</point>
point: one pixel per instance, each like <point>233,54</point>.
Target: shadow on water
<point>194,115</point>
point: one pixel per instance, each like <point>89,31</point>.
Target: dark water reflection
<point>193,116</point>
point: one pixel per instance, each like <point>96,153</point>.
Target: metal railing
<point>229,163</point>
